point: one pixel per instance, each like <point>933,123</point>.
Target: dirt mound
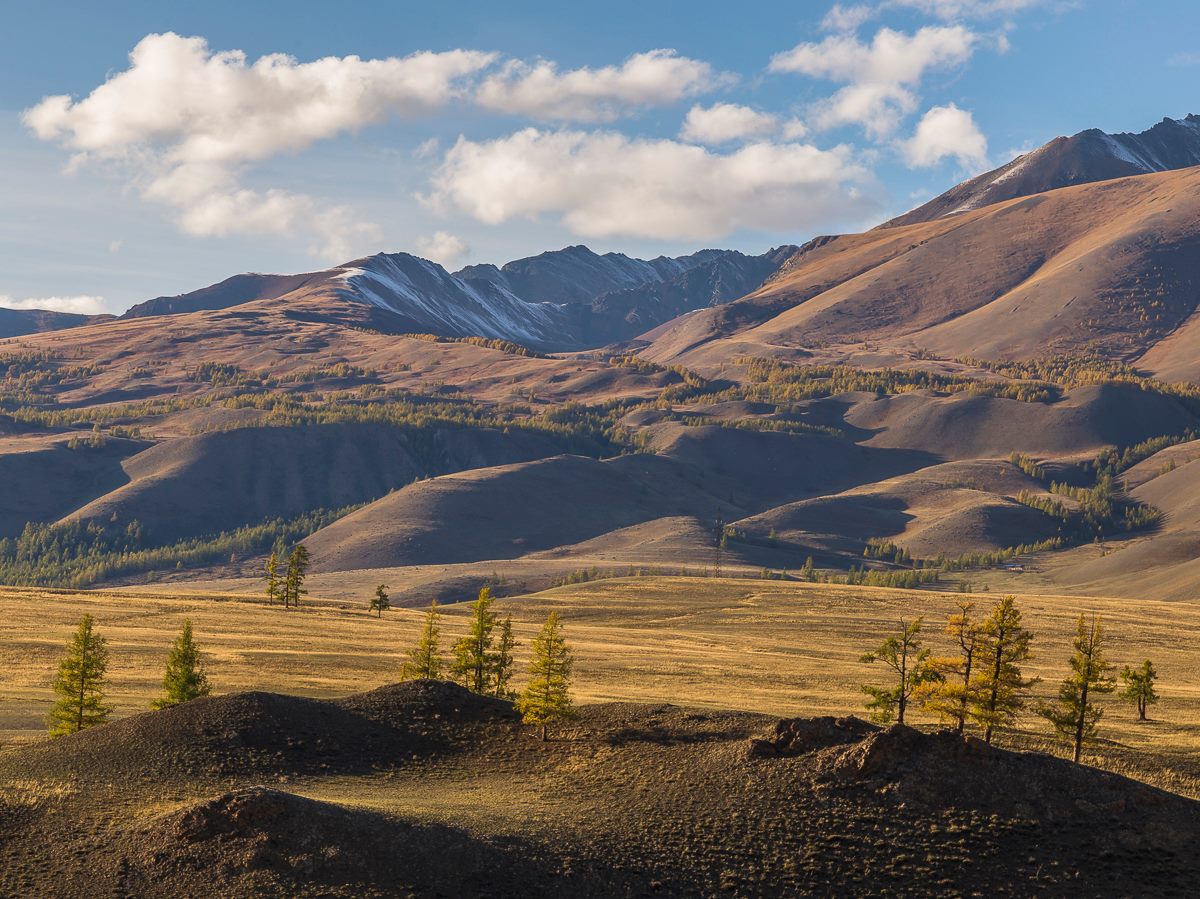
<point>258,841</point>
<point>269,733</point>
<point>944,770</point>
<point>798,736</point>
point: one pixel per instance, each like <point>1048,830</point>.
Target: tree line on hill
<point>981,682</point>
<point>483,661</point>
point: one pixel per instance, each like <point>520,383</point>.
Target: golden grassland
<point>777,647</point>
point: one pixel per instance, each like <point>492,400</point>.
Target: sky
<point>153,148</point>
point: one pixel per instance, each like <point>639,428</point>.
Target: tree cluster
<point>981,682</point>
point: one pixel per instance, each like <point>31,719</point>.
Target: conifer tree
<point>425,659</point>
<point>502,668</point>
<point>950,695</point>
<point>274,581</point>
<point>546,699</point>
<point>80,683</point>
<point>474,658</point>
<point>998,690</point>
<point>909,662</point>
<point>297,568</point>
<point>806,572</point>
<point>1075,715</point>
<point>185,679</point>
<point>1139,687</point>
<point>380,602</point>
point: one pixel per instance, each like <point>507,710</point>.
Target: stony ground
<point>422,789</point>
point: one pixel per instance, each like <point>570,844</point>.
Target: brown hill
<point>951,509</point>
<point>510,511</point>
<point>1109,266</point>
<point>223,479</point>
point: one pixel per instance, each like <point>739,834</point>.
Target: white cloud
<point>605,184</point>
<point>443,247</point>
<point>540,91</point>
<point>724,122</point>
<point>83,304</point>
<point>847,18</point>
<point>187,121</point>
<point>880,77</point>
<point>892,57</point>
<point>967,9</point>
<point>944,132</point>
<point>878,107</point>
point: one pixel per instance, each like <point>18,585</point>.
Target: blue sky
<point>524,127</point>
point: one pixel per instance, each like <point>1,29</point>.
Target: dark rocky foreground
<point>423,789</point>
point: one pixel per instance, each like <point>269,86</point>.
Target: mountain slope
<point>19,322</point>
<point>1111,266</point>
<point>1086,157</point>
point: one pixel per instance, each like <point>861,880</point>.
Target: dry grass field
<point>781,648</point>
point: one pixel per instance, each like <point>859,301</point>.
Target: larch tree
<point>503,663</point>
<point>274,581</point>
<point>806,571</point>
<point>1139,687</point>
<point>474,657</point>
<point>999,689</point>
<point>297,569</point>
<point>546,699</point>
<point>380,602</point>
<point>950,695</point>
<point>1075,714</point>
<point>80,683</point>
<point>909,660</point>
<point>425,659</point>
<point>185,679</point>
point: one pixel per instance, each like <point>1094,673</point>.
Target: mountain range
<point>923,385</point>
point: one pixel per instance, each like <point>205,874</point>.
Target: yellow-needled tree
<point>546,699</point>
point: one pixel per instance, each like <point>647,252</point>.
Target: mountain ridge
<point>1086,157</point>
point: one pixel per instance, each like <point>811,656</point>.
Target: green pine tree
<point>546,699</point>
<point>185,679</point>
<point>503,663</point>
<point>474,658</point>
<point>425,659</point>
<point>1075,715</point>
<point>999,689</point>
<point>909,661</point>
<point>297,569</point>
<point>380,602</point>
<point>1139,687</point>
<point>274,582</point>
<point>80,683</point>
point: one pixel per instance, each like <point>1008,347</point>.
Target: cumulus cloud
<point>442,247</point>
<point>847,18</point>
<point>724,122</point>
<point>892,57</point>
<point>945,132</point>
<point>605,184</point>
<point>540,91</point>
<point>188,121</point>
<point>82,304</point>
<point>880,76</point>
